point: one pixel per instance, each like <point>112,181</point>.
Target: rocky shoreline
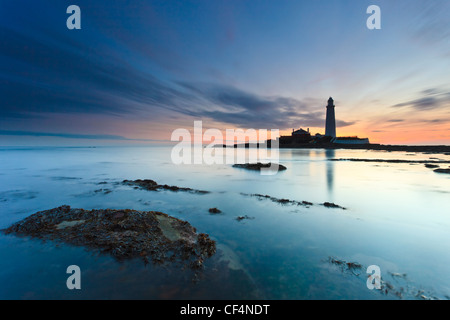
<point>430,164</point>
<point>443,149</point>
<point>434,162</point>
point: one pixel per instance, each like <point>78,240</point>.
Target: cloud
<point>44,77</point>
<point>235,106</point>
<point>431,25</point>
<point>429,99</point>
<point>68,135</point>
<point>436,121</point>
<point>395,120</point>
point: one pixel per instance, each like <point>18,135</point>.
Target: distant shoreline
<point>380,147</point>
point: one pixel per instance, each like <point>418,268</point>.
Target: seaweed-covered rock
<point>278,200</point>
<point>124,234</point>
<point>332,205</point>
<point>284,201</point>
<point>152,185</point>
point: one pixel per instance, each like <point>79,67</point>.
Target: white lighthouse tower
<point>330,123</point>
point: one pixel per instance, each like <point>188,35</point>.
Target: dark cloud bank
<point>42,77</point>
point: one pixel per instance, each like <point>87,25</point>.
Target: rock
<point>431,166</point>
<point>240,218</point>
<point>104,191</point>
<point>151,185</point>
<point>332,205</point>
<point>214,210</point>
<point>258,166</point>
<point>124,234</point>
<point>344,265</point>
<point>280,201</point>
<point>284,201</point>
<point>442,170</point>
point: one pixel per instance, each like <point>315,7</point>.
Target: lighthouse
<point>330,123</point>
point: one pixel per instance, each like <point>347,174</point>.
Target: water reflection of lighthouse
<point>330,154</point>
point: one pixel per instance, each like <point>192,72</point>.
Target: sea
<point>388,237</point>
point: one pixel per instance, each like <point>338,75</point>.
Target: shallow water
<point>397,218</point>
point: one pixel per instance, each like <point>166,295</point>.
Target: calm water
<point>397,217</point>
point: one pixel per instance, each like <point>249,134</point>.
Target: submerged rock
<point>344,264</point>
<point>258,166</point>
<point>124,234</point>
<point>152,185</point>
<point>214,210</point>
<point>240,218</point>
<point>403,289</point>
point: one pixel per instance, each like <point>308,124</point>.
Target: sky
<point>138,70</point>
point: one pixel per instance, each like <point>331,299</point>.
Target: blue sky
<point>140,69</point>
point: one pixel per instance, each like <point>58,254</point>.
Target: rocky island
<point>124,234</point>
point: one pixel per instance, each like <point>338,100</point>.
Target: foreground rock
<point>124,234</point>
<point>152,185</point>
<point>258,166</point>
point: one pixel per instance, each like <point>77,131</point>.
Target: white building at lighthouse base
<point>350,140</point>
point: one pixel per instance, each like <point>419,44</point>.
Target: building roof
<point>300,131</point>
